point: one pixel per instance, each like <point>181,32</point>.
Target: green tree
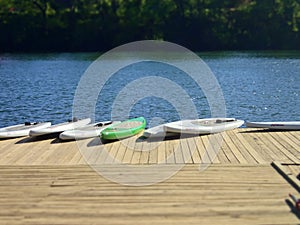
<point>99,25</point>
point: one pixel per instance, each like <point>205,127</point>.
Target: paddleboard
<point>124,129</point>
<point>158,132</point>
<point>203,126</point>
<point>58,128</point>
<point>22,130</point>
<point>291,125</point>
<point>88,131</point>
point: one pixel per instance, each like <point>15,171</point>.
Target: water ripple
<point>41,87</point>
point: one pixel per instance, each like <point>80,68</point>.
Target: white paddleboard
<point>88,131</point>
<point>58,128</point>
<point>22,130</point>
<point>203,126</point>
<point>158,132</point>
<point>291,125</point>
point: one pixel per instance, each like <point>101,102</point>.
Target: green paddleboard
<point>124,129</point>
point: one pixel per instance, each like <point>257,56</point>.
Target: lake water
<point>257,86</point>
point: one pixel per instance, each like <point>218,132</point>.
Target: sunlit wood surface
<point>50,182</point>
<point>240,146</point>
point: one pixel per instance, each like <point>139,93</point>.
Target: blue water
<point>257,86</point>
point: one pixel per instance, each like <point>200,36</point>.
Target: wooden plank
<point>177,151</point>
<point>239,146</point>
<point>241,159</point>
<point>153,152</point>
<point>136,157</point>
<point>186,151</point>
<point>87,150</point>
<point>170,156</point>
<point>161,152</point>
<point>95,154</point>
<point>248,147</point>
<point>291,139</point>
<point>121,153</point>
<point>193,146</point>
<point>295,134</point>
<point>144,154</point>
<point>252,194</point>
<point>137,154</point>
<point>12,153</point>
<point>223,157</point>
<point>287,175</point>
<point>130,144</point>
<point>59,151</point>
<point>292,149</point>
<point>249,158</point>
<point>228,154</point>
<point>275,152</point>
<point>256,140</point>
<point>7,144</point>
<point>295,169</point>
<point>212,146</point>
<point>102,154</point>
<point>75,160</point>
<point>282,146</point>
<point>39,147</point>
<point>252,151</point>
<point>113,151</point>
<point>144,157</point>
<point>202,150</point>
<point>128,152</point>
<point>139,146</point>
<point>28,155</point>
<point>71,149</point>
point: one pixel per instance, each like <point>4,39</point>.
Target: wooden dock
<point>51,182</point>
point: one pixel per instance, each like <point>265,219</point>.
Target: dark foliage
<point>99,25</point>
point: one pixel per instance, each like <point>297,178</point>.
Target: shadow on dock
<point>38,138</point>
<point>293,208</point>
<point>168,138</point>
<point>265,131</point>
<point>95,142</point>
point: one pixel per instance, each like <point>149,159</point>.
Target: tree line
<point>99,25</point>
